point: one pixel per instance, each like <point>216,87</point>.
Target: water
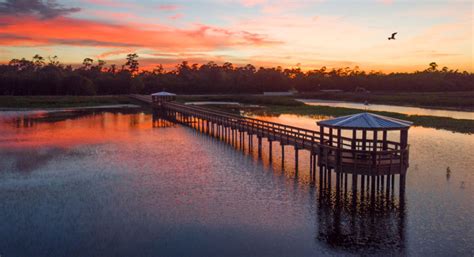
<point>393,108</point>
<point>110,183</point>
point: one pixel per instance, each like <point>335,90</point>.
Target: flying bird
<point>393,36</point>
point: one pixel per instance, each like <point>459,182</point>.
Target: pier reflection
<point>354,223</point>
<point>161,120</point>
<point>358,214</point>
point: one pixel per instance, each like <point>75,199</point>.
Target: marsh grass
<point>245,99</point>
<point>61,101</point>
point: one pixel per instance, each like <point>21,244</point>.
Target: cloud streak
<point>32,31</point>
<point>44,9</point>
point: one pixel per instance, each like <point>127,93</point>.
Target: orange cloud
<point>31,31</point>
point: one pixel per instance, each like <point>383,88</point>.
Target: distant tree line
<point>47,76</point>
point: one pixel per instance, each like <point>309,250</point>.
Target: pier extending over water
<point>369,164</point>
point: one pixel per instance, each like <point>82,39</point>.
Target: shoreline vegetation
<point>47,76</point>
<point>33,102</point>
<point>270,106</point>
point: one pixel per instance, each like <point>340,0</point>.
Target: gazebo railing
<point>371,161</point>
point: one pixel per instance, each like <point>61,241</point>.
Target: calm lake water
<point>115,183</point>
<point>393,108</point>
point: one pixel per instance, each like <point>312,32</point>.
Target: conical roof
<point>366,120</point>
<point>163,93</point>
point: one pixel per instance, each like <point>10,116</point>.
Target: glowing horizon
<point>307,34</point>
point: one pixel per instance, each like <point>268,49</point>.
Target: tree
<point>38,61</point>
<point>433,67</point>
<point>132,63</point>
<point>53,60</point>
<point>87,63</point>
<point>33,77</point>
<point>76,84</point>
<point>136,85</point>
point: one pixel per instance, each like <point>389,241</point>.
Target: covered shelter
<point>362,139</point>
<point>360,124</point>
<point>160,97</point>
<point>359,144</point>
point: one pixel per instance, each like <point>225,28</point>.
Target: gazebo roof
<point>366,120</point>
<point>163,93</point>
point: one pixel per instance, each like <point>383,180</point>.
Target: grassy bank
<point>245,99</point>
<point>61,101</point>
<point>442,100</point>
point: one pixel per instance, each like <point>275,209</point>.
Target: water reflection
<point>352,224</point>
<point>99,183</point>
<point>368,221</point>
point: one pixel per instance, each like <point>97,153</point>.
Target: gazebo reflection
<point>354,224</point>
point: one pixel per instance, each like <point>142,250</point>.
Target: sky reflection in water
<point>111,184</point>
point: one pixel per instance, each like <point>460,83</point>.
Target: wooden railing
<point>359,154</point>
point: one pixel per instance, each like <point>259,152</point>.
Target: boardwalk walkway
<point>354,157</point>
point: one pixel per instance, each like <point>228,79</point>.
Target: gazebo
<point>360,144</point>
<point>160,97</point>
<point>361,123</point>
<point>362,140</point>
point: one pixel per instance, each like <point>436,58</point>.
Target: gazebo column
<point>403,146</point>
<point>320,159</point>
<point>354,139</point>
<point>375,141</point>
<point>374,158</point>
<point>338,161</point>
<point>330,136</point>
<point>364,139</point>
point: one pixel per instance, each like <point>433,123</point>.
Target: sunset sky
<point>306,33</point>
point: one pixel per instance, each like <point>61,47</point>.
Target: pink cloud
<point>385,1</point>
<point>250,3</point>
<point>168,7</point>
<point>110,3</point>
<point>177,16</point>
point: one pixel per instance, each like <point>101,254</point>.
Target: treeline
<point>46,76</point>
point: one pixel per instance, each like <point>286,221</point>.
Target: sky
<point>308,33</point>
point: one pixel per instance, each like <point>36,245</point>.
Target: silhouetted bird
<point>393,36</point>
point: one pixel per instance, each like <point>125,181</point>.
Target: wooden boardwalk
<point>354,157</point>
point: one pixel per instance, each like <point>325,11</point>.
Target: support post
<point>259,139</point>
<point>296,158</point>
<point>282,155</point>
<point>270,149</point>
